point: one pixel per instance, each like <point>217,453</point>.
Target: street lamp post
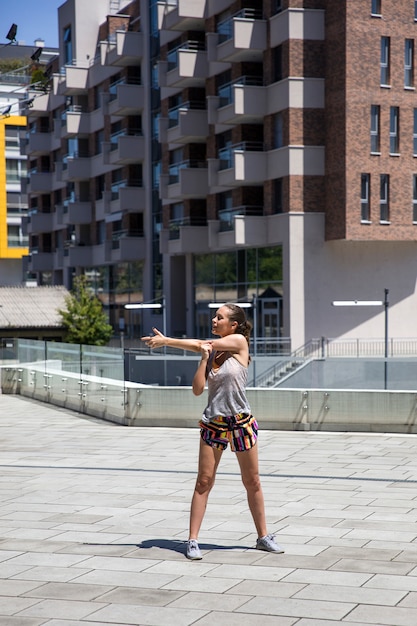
<point>154,305</point>
<point>385,304</point>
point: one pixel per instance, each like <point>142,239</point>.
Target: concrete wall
<point>275,409</point>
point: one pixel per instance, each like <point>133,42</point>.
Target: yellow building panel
<point>7,252</point>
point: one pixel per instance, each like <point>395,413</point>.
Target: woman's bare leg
<point>208,461</point>
<point>249,469</point>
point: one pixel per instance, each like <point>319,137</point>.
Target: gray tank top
<point>226,390</point>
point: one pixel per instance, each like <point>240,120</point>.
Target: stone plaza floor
<point>93,519</point>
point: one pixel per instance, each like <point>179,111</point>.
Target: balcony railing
<point>124,132</point>
<point>117,235</point>
<point>172,57</point>
<point>125,80</point>
<point>173,113</point>
<point>227,155</point>
<point>116,186</point>
<point>225,28</point>
<point>227,216</point>
<point>174,169</point>
<point>176,223</point>
<point>226,92</point>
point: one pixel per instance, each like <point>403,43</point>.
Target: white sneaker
<point>193,551</point>
<point>268,544</point>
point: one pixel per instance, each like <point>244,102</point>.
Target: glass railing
<point>225,27</point>
<point>174,169</point>
<point>174,112</point>
<point>226,93</point>
<point>172,56</point>
<point>176,223</point>
<point>227,216</point>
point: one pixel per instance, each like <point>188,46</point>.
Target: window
<point>278,6</point>
<point>14,170</point>
<point>278,130</point>
<point>67,45</point>
<point>394,138</point>
<point>415,9</point>
<point>277,73</point>
<point>365,186</point>
<point>384,198</point>
<point>385,60</point>
<point>278,196</point>
<point>409,63</point>
<point>415,198</point>
<point>376,7</point>
<point>98,141</point>
<point>375,128</point>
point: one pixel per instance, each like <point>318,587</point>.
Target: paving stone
<point>94,517</point>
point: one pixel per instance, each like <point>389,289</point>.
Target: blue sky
<point>34,18</point>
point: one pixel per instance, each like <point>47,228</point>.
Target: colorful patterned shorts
<point>241,431</point>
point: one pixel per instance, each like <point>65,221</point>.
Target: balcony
<point>227,217</point>
<point>248,230</point>
<point>126,197</point>
<point>72,79</point>
<point>79,255</point>
<point>40,182</point>
<point>41,261</point>
<point>295,161</point>
<point>124,148</point>
<point>127,245</point>
<point>239,38</point>
<point>41,143</point>
<point>122,48</point>
<point>42,103</point>
<point>242,102</point>
<point>76,168</point>
<point>182,15</point>
<point>297,24</point>
<point>186,123</point>
<point>185,235</point>
<point>186,66</point>
<point>77,121</point>
<point>188,179</point>
<point>124,99</point>
<point>37,222</point>
<point>77,212</point>
<point>242,164</point>
<point>295,93</point>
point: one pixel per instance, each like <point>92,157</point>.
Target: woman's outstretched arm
<point>158,340</point>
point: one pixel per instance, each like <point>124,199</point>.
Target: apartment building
<point>200,151</point>
<point>16,68</point>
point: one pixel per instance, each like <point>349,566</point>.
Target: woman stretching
<point>226,419</point>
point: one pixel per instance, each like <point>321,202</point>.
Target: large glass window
<point>236,276</point>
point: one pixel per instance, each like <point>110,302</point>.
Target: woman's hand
<point>154,341</point>
<point>206,349</point>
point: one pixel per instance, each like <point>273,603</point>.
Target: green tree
<point>84,319</point>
